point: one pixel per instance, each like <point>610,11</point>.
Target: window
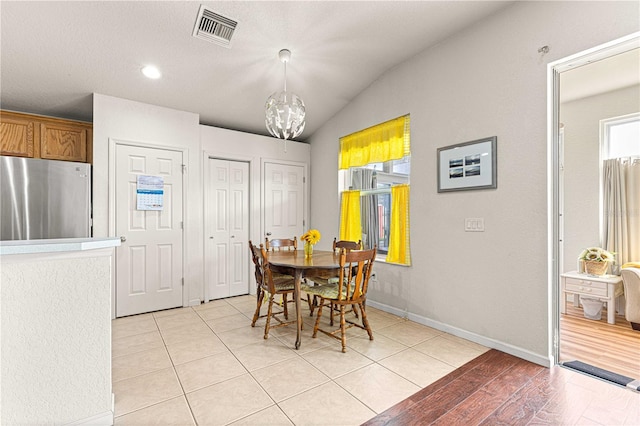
<point>620,178</point>
<point>620,136</point>
<point>374,184</point>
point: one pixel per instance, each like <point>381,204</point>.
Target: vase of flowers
<point>596,260</point>
<point>310,238</point>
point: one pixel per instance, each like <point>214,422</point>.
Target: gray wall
<point>489,80</point>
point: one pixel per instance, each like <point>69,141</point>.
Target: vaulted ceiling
<point>55,54</point>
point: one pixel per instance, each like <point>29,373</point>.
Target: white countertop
<point>56,245</point>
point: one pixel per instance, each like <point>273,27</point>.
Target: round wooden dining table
<point>321,264</point>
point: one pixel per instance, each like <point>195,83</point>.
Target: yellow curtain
<point>399,233</point>
<point>384,142</point>
<point>350,226</point>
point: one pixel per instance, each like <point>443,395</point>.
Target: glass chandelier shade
<point>285,111</point>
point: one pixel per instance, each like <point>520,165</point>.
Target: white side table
<point>606,288</point>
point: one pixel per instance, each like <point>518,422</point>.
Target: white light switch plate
<point>474,224</point>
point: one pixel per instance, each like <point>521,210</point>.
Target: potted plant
<point>310,238</point>
<point>596,260</point>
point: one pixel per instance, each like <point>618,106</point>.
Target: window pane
<point>402,167</point>
<point>375,166</point>
<point>624,139</point>
<point>384,216</point>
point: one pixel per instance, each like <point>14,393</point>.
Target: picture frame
<point>468,165</point>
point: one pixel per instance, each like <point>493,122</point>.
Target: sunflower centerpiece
<point>310,238</point>
<point>596,260</point>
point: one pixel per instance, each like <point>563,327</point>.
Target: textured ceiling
<point>54,55</point>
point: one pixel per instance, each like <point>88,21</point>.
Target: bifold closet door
<point>227,225</point>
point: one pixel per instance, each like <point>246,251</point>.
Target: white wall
<point>255,149</point>
<point>488,80</point>
<point>581,119</point>
<point>56,338</point>
<point>126,120</point>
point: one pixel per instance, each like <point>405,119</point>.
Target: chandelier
<point>284,111</point>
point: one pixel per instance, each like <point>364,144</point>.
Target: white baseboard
<point>473,337</point>
<point>103,419</point>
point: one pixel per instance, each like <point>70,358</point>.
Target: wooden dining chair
<point>351,289</point>
<point>268,287</point>
<point>281,244</point>
<point>337,246</point>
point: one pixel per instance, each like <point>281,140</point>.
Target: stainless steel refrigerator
<point>44,199</point>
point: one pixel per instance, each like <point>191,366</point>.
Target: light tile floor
<point>206,365</point>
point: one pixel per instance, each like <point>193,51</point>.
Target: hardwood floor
<point>497,388</point>
<point>613,347</point>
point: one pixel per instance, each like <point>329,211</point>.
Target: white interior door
<point>149,262</point>
<point>284,200</point>
<point>227,222</point>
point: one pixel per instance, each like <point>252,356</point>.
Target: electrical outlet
<point>474,224</point>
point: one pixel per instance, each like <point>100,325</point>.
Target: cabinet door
<point>63,142</point>
<point>17,136</point>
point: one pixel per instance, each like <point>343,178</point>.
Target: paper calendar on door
<point>150,192</point>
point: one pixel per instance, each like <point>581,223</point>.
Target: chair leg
<point>317,325</point>
<point>342,329</point>
<point>365,321</point>
<point>268,324</point>
<point>260,295</point>
<point>331,308</point>
<point>313,303</point>
<point>284,303</point>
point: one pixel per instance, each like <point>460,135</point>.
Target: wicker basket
<point>593,267</point>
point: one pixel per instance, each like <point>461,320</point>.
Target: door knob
<point>268,234</point>
<point>123,239</point>
<point>233,236</point>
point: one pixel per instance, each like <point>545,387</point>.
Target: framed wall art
<point>468,165</point>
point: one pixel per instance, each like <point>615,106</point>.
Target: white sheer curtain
<point>621,208</point>
<point>366,179</point>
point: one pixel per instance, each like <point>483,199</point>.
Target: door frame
<point>306,200</point>
<point>207,155</point>
<point>554,161</point>
<point>113,145</point>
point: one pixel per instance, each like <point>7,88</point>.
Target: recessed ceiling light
<point>151,72</point>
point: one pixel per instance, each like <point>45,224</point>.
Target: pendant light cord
<point>285,75</point>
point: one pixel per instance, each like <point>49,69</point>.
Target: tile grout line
<point>184,393</point>
<point>301,356</point>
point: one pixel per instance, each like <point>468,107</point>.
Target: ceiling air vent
<point>213,27</point>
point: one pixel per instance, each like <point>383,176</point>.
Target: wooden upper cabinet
<point>63,142</point>
<point>26,135</point>
<point>17,135</point>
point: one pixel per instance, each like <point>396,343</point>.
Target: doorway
<point>284,200</point>
<point>226,228</point>
<point>575,206</point>
<point>148,209</point>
